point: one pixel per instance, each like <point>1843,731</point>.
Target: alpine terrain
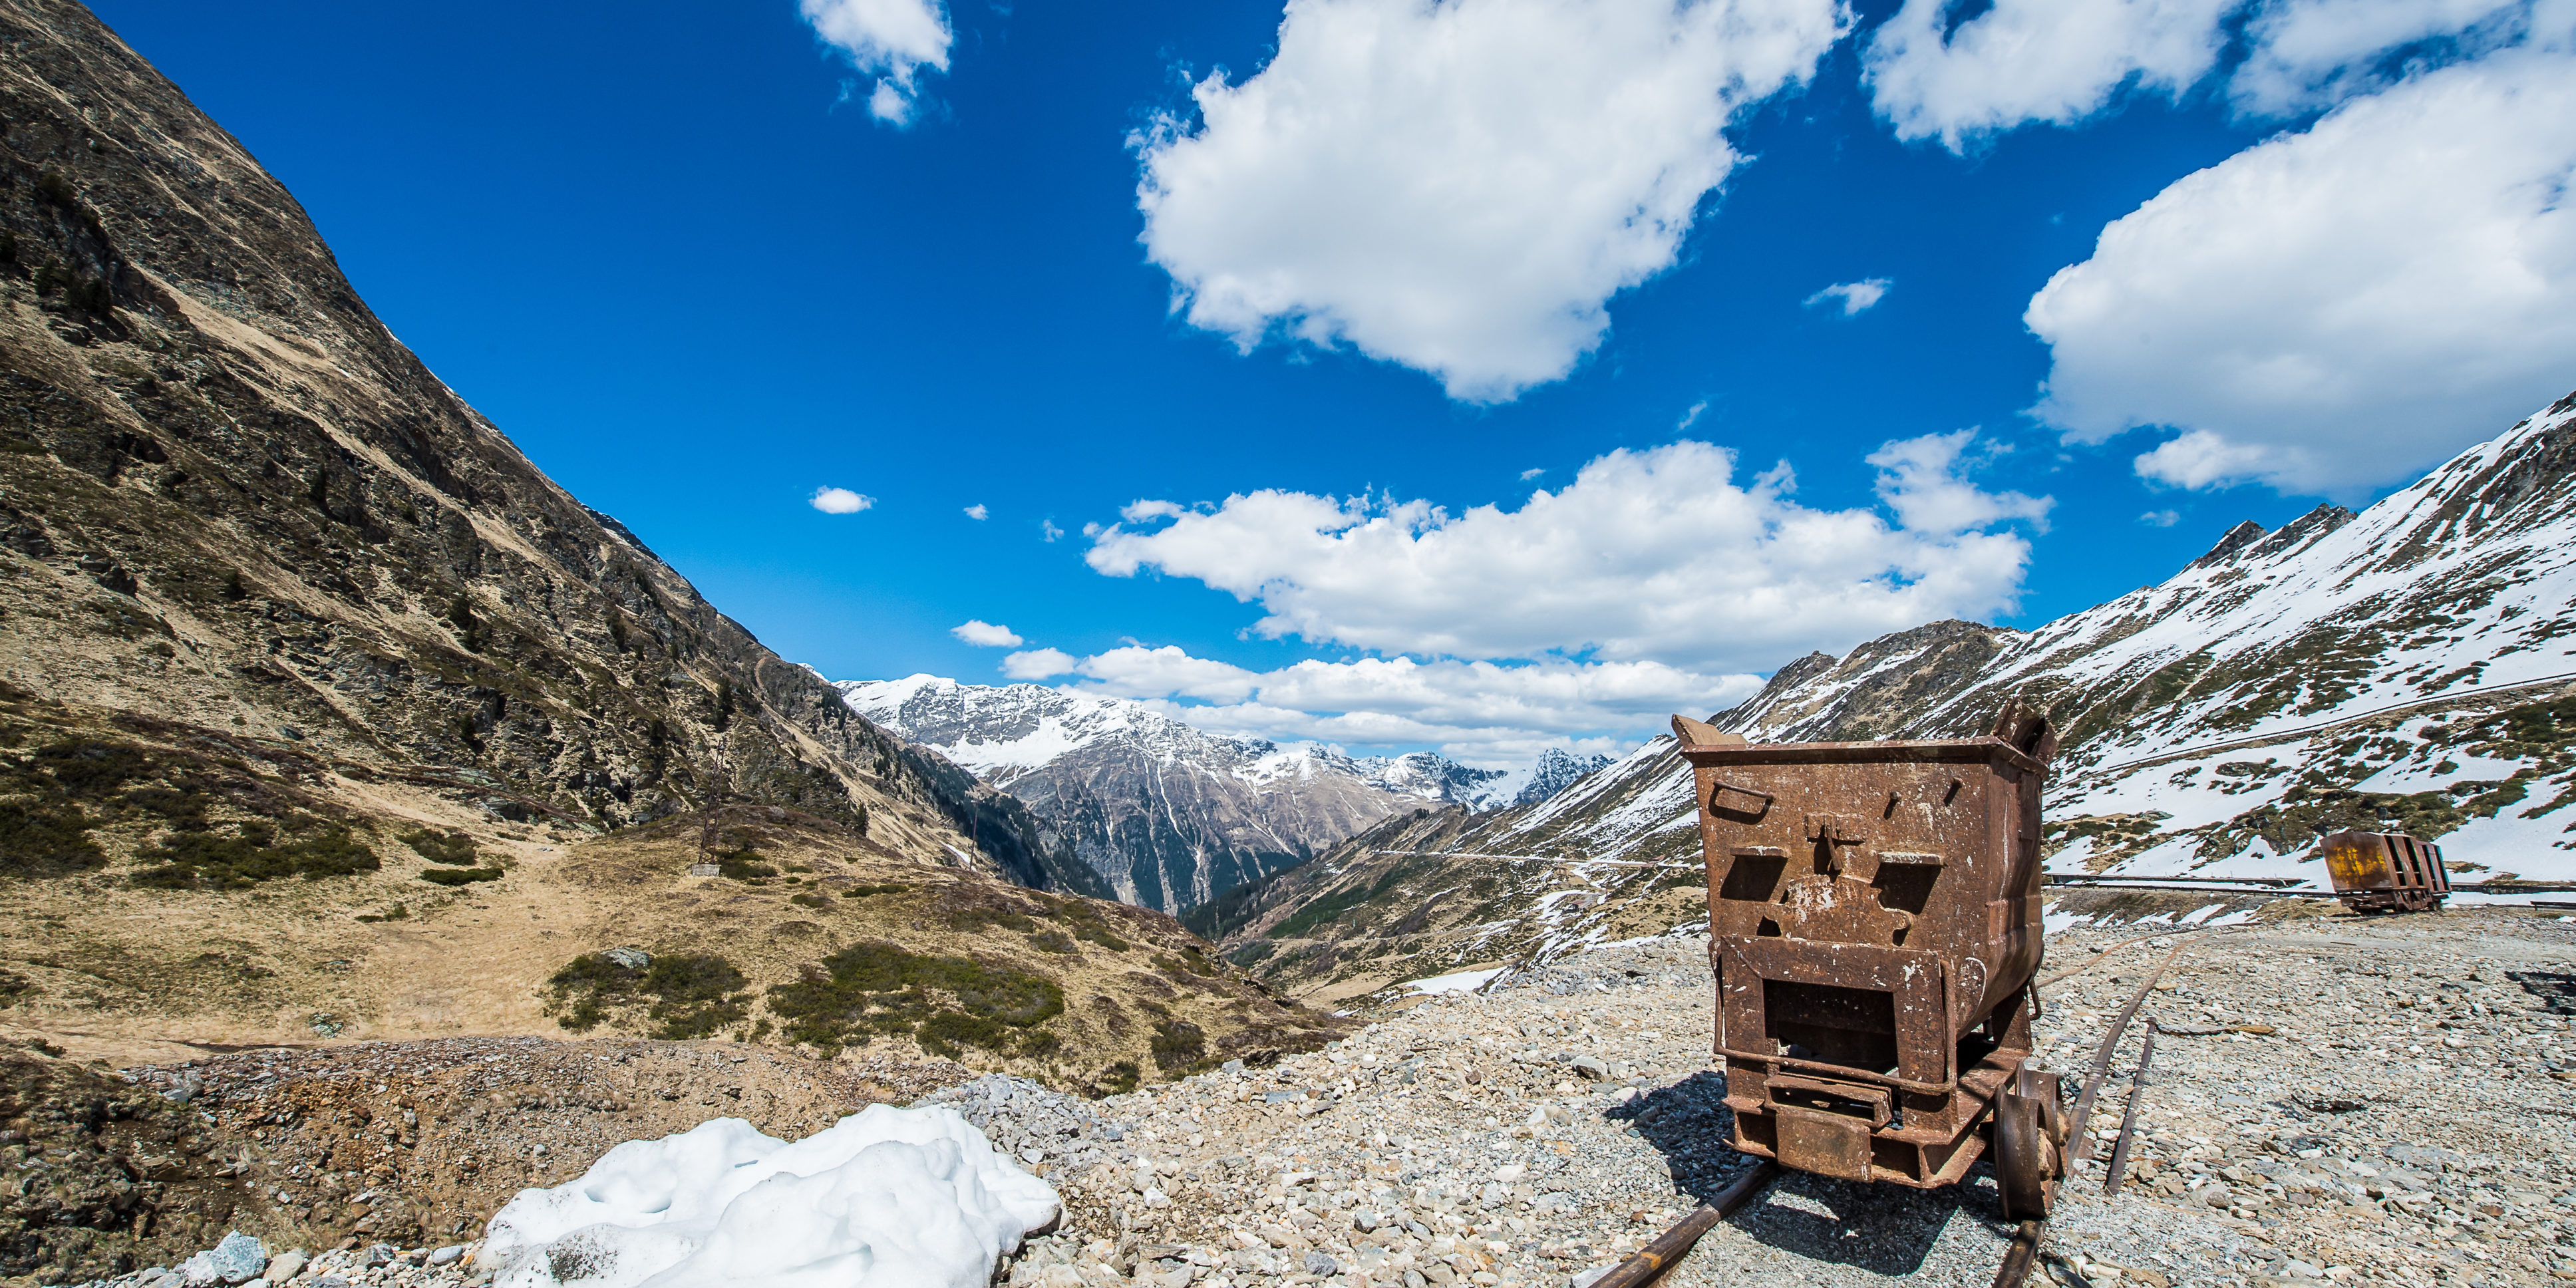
<point>1168,815</point>
<point>2411,667</point>
<point>327,715</point>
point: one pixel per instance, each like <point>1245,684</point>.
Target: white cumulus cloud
<point>1660,555</point>
<point>1038,664</point>
<point>978,513</point>
<point>2338,307</point>
<point>892,40</point>
<point>1478,712</point>
<point>2309,53</point>
<point>2032,61</point>
<point>2057,62</point>
<point>1460,187</point>
<point>1850,297</point>
<point>983,634</point>
<point>839,500</point>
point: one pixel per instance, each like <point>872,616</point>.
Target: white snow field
<point>885,1198</point>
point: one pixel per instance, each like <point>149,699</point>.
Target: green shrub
<point>971,919</point>
<point>43,840</point>
<point>89,770</point>
<point>459,876</point>
<point>742,865</point>
<point>204,860</point>
<point>809,901</point>
<point>1122,1076</point>
<point>452,847</point>
<point>1089,926</point>
<point>880,988</point>
<point>1179,1045</point>
<point>685,995</point>
<point>945,1032</point>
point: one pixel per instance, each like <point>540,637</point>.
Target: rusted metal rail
<point>2105,954</point>
<point>2023,1251</point>
<point>2110,1047</point>
<point>1652,1262</point>
<point>2119,1164</point>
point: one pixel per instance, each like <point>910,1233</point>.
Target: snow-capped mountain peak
<point>1171,814</point>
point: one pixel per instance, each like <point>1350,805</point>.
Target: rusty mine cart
<point>2385,871</point>
<point>1874,922</point>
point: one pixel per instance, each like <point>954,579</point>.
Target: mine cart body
<point>2385,871</point>
<point>1874,921</point>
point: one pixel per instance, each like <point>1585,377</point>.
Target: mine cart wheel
<point>2027,1153</point>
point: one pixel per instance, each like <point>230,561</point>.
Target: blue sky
<point>671,250</point>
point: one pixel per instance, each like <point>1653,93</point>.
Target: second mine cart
<point>1874,921</point>
<point>2385,871</point>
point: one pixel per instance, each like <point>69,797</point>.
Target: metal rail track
<point>1651,1263</point>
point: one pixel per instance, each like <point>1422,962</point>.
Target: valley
<point>1168,815</point>
<point>385,832</point>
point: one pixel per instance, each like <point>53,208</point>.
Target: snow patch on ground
<point>885,1198</point>
<point>1465,981</point>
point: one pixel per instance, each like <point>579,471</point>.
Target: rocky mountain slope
<point>2411,667</point>
<point>1168,815</point>
<point>324,714</point>
<point>228,497</point>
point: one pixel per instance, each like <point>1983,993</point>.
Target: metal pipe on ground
<point>1656,1259</point>
<point>2110,1045</point>
<point>2021,1255</point>
<point>2119,1165</point>
<point>2105,954</point>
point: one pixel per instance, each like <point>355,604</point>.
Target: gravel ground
<point>2403,1121</point>
<point>2334,1100</point>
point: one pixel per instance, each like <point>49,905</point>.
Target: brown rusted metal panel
<point>2385,871</point>
<point>1828,1144</point>
<point>1874,921</point>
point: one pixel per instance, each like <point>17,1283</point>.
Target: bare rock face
<point>230,500</point>
<point>1168,815</point>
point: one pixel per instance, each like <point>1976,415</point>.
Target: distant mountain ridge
<point>2411,667</point>
<point>1170,815</point>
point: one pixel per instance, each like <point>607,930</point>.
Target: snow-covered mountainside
<point>1171,815</point>
<point>2411,667</point>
